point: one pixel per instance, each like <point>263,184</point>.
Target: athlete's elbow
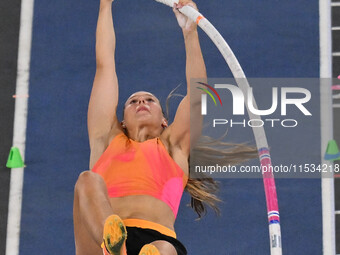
<point>105,65</point>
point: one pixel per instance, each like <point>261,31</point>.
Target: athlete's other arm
<point>195,68</point>
<point>104,96</point>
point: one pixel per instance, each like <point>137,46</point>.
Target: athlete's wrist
<point>105,3</point>
<point>190,34</point>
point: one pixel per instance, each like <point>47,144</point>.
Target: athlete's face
<point>143,108</point>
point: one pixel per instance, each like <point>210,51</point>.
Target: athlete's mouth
<point>142,108</point>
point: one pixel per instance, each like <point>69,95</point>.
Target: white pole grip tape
<point>168,2</point>
<point>188,11</point>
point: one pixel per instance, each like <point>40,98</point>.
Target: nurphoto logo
<point>295,96</point>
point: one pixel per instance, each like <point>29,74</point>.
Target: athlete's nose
<point>141,100</point>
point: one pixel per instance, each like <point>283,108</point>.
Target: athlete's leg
<point>164,247</point>
<point>91,208</point>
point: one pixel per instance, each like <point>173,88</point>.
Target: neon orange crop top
<point>133,168</point>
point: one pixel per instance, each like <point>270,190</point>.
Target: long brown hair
<point>208,151</point>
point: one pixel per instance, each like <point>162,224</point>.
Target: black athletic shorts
<point>138,237</point>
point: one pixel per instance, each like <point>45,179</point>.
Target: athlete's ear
<point>123,124</point>
<point>164,123</point>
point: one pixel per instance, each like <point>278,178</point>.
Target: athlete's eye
<point>150,100</point>
<point>133,101</point>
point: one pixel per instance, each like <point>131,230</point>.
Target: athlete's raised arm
<point>104,96</point>
<point>195,68</point>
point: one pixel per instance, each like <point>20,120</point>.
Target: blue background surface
<point>270,39</point>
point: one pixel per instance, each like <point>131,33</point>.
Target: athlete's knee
<point>87,182</point>
<point>164,247</point>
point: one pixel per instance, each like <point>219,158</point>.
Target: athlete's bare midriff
<point>143,207</point>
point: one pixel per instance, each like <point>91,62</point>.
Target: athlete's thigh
<point>85,244</point>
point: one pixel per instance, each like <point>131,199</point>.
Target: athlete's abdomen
<point>143,207</point>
